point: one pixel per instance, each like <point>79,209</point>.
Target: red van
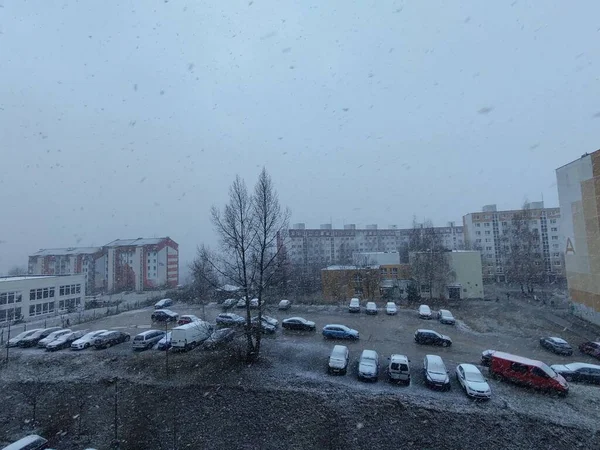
<point>527,372</point>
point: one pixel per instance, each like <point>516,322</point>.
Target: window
<point>62,290</point>
<point>32,294</point>
<point>478,240</point>
<point>519,368</point>
<point>557,263</point>
<point>3,298</point>
<point>554,229</point>
<point>487,232</point>
<point>488,248</point>
<point>45,292</point>
<point>488,240</point>
<point>539,372</point>
<point>51,292</point>
<point>487,224</point>
<point>38,294</point>
<point>478,225</point>
<point>78,289</point>
<point>504,224</point>
<point>555,238</point>
<point>552,220</point>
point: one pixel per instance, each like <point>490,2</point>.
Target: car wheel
<point>127,338</point>
<point>445,344</point>
<point>568,377</point>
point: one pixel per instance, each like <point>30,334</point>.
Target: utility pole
<point>167,349</point>
<point>8,339</point>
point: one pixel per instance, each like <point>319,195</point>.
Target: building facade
<point>463,281</point>
<point>30,296</point>
<point>579,197</point>
<point>125,264</point>
<point>326,245</point>
<point>486,230</point>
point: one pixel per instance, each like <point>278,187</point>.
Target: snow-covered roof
<point>26,277</point>
<point>340,267</point>
<point>229,288</point>
<point>66,251</point>
<point>135,242</point>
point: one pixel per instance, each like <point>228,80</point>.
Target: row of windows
<point>7,298</point>
<point>38,294</point>
<point>70,303</point>
<point>41,308</point>
<point>10,314</point>
<point>70,289</point>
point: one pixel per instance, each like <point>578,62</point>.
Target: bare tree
<point>522,252</point>
<point>428,259</point>
<point>250,230</point>
<point>205,278</point>
<point>32,391</point>
<point>16,271</point>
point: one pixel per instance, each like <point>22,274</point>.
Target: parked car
<point>164,303</point>
<point>52,336</point>
<point>298,323</point>
<point>229,303</point>
<point>164,315</point>
<point>338,360</point>
<point>371,308</point>
<point>436,374</point>
<point>86,341</point>
<point>265,326</point>
<point>254,302</point>
<point>446,317</point>
<point>556,345</point>
<point>187,318</point>
<point>527,372</point>
<point>33,339</point>
<point>581,372</point>
<point>31,442</point>
<point>230,319</point>
<point>270,320</point>
<point>424,312</point>
<point>186,337</point>
<point>147,339</point>
<point>431,337</point>
<point>241,303</point>
<point>472,381</point>
<point>334,331</point>
<point>590,348</point>
<point>368,365</point>
<point>354,305</point>
<point>284,304</point>
<point>14,341</point>
<point>398,369</point>
<point>65,340</point>
<point>219,337</point>
<point>486,357</point>
<point>110,338</point>
<point>391,308</point>
<point>165,342</point>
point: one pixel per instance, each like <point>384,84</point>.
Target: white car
<point>424,312</point>
<point>86,340</point>
<point>472,381</point>
<point>52,336</point>
<point>390,308</point>
<point>284,304</point>
<point>270,320</point>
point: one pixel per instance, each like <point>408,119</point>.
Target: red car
<point>527,372</point>
<point>591,348</point>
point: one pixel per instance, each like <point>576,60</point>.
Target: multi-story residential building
<point>326,245</point>
<point>29,296</point>
<point>67,261</point>
<point>579,197</point>
<point>486,231</point>
<point>125,264</point>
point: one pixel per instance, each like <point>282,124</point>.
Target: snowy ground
<point>295,362</point>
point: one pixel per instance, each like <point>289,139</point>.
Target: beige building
<point>579,196</point>
<point>463,281</point>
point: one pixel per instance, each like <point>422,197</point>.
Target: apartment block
<point>327,245</point>
<point>579,197</point>
<point>485,231</point>
<point>124,264</point>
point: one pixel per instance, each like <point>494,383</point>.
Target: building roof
<point>28,277</point>
<point>66,251</point>
<point>338,267</point>
<point>135,242</point>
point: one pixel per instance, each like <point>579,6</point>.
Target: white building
<point>326,245</point>
<point>31,296</point>
<point>485,231</point>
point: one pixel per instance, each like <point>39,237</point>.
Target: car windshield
<point>474,377</point>
<point>548,370</point>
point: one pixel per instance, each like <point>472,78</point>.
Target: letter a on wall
<point>570,250</point>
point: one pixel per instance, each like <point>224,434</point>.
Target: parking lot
<point>299,358</point>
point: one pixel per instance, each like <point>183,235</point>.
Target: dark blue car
<point>335,331</point>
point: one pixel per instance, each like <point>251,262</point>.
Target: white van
<point>188,336</point>
<point>399,368</point>
<point>338,360</point>
<point>424,312</point>
<point>354,305</point>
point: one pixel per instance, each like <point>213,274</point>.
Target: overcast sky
<point>127,119</point>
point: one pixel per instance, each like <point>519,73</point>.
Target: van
<point>147,339</point>
<point>188,336</point>
<point>527,372</point>
<point>399,369</point>
<point>164,303</point>
<point>338,360</point>
<point>436,374</point>
<point>354,305</point>
<point>424,312</point>
<point>31,442</point>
